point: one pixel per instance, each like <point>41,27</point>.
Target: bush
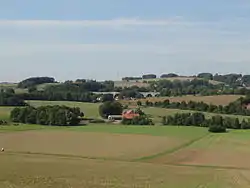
<point>110,108</point>
<point>3,122</point>
<point>140,120</point>
<point>217,128</point>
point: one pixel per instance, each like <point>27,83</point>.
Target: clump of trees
<point>30,82</point>
<point>216,123</point>
<point>149,76</point>
<point>10,99</point>
<point>110,108</point>
<point>139,120</point>
<point>47,115</point>
<point>236,108</point>
<point>131,78</point>
<point>170,75</point>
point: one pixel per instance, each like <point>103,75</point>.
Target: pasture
<point>123,156</point>
<point>103,156</point>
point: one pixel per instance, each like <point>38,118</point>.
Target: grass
<point>37,170</point>
<point>215,99</point>
<point>5,112</point>
<point>172,131</point>
<point>197,159</point>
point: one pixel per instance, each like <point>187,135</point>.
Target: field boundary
<point>172,150</point>
<point>64,156</point>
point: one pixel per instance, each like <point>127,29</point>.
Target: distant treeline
<point>31,82</point>
<point>47,115</point>
<point>230,79</point>
<point>236,108</point>
<point>215,123</point>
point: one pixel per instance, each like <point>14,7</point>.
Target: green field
<point>105,155</point>
<point>177,157</point>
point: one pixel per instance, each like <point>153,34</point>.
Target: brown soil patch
<point>93,145</point>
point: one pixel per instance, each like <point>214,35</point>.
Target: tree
<point>170,75</point>
<point>32,89</point>
<point>107,97</point>
<point>47,115</point>
<point>149,76</point>
<point>207,76</point>
<point>110,108</point>
<point>139,103</point>
<point>217,125</point>
<point>245,124</point>
<point>30,82</point>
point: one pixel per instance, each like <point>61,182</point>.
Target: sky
<point>110,39</point>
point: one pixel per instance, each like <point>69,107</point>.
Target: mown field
<point>105,155</point>
<point>119,156</point>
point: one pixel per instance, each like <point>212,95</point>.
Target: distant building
<point>130,114</point>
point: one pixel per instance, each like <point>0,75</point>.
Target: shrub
<point>110,108</point>
<point>139,120</point>
<point>217,129</point>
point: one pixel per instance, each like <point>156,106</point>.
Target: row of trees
<point>10,99</point>
<point>215,123</point>
<point>230,79</point>
<point>139,120</point>
<point>236,108</point>
<point>47,115</point>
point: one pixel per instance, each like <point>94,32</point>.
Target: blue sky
<point>109,39</point>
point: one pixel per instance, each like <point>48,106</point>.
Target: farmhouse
<point>129,114</point>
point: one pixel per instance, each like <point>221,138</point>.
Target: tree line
<point>235,108</point>
<point>8,98</point>
<point>230,79</point>
<point>47,115</point>
<point>31,82</point>
<point>215,123</point>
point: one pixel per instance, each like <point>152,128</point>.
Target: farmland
<point>217,100</point>
<point>105,155</point>
<point>119,156</point>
